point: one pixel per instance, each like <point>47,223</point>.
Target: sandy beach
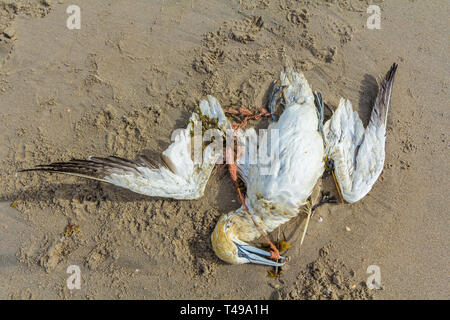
<point>136,70</point>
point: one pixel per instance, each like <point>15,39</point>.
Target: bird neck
<point>267,215</point>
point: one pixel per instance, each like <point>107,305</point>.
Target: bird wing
<point>343,135</point>
<point>176,174</point>
<point>359,153</point>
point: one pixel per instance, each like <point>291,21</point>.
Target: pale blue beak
<point>255,255</point>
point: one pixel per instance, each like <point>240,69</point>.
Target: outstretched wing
<point>359,153</point>
<point>176,174</point>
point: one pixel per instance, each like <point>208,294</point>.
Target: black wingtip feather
<point>382,102</point>
<point>99,168</point>
<point>96,168</point>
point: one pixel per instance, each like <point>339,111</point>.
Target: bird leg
<point>232,168</point>
<point>329,167</point>
<point>324,199</point>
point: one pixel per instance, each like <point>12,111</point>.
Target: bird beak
<point>255,255</point>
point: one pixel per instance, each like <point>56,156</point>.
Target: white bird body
<point>277,189</point>
<point>358,153</point>
<point>277,197</point>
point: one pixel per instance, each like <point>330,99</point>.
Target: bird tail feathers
<point>297,89</point>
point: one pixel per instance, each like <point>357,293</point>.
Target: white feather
<point>358,153</point>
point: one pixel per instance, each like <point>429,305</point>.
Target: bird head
<point>229,248</point>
